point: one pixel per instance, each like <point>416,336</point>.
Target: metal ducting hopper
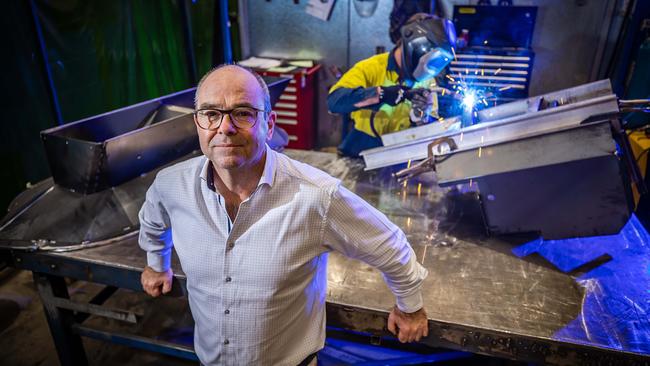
<point>101,169</point>
<point>105,151</point>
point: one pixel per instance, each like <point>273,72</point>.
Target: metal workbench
<point>578,301</point>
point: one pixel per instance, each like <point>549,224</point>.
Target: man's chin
<point>227,162</point>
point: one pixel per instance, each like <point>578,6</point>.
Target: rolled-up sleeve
<point>155,235</point>
<point>358,230</point>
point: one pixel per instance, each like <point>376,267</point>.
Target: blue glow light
<point>469,99</point>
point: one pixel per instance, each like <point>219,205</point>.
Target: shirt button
<point>228,279</point>
<point>231,245</point>
<point>226,342</point>
<point>227,311</point>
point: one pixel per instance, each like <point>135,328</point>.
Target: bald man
<point>252,229</point>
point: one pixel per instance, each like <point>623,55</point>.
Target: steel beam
<point>513,121</point>
<point>486,341</point>
<point>148,344</point>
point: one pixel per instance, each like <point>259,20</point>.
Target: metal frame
<point>487,342</point>
<point>66,317</point>
<point>68,344</point>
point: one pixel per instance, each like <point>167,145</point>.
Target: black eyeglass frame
<point>228,112</point>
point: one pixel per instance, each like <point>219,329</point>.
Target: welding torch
<point>421,102</point>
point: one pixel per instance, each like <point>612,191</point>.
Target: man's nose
<point>227,127</point>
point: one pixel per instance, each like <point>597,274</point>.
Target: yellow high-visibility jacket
<point>378,71</point>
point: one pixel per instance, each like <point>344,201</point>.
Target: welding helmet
<point>427,42</point>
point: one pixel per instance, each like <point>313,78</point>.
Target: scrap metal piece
<point>417,169</point>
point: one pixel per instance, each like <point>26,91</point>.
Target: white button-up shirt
<point>257,286</point>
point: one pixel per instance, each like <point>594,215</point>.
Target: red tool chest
<point>296,107</point>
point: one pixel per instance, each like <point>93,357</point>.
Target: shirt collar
<point>207,174</point>
<point>392,64</point>
<point>268,175</point>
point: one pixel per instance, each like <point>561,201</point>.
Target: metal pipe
<point>224,24</point>
<point>186,17</point>
<point>48,71</point>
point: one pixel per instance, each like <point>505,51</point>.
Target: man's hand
<point>391,95</point>
<point>408,327</point>
<point>421,104</point>
<point>156,283</point>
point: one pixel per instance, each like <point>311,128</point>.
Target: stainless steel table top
<point>592,291</point>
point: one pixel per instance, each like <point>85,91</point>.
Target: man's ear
<point>271,125</point>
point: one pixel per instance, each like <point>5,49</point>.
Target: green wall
<point>102,55</point>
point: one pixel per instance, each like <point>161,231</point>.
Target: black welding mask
<point>427,46</point>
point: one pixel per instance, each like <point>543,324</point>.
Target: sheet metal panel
<point>577,143</point>
<point>561,184</point>
<point>575,199</point>
<point>103,151</point>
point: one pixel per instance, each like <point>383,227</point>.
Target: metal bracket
<point>122,315</point>
<point>131,340</point>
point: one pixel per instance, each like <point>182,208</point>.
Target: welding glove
<point>421,105</point>
<point>391,95</point>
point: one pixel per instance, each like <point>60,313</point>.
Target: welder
<point>395,90</point>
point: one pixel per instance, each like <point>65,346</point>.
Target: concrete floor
<point>25,337</point>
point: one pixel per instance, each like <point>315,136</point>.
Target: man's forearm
<point>405,281</point>
<point>346,100</point>
<point>155,232</point>
<point>377,242</point>
<point>158,249</point>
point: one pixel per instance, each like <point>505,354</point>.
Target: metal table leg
<point>68,344</point>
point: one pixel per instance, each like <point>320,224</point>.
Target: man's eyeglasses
<point>240,117</point>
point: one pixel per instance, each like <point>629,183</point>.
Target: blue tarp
<point>617,293</point>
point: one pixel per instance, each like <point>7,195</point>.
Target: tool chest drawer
<point>296,107</point>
